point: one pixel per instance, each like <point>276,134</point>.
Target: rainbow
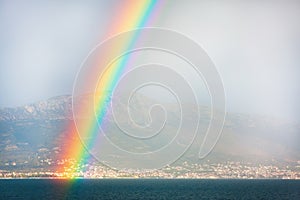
<point>129,15</point>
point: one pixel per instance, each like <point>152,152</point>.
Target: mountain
<point>34,132</point>
<point>38,131</point>
<point>52,109</point>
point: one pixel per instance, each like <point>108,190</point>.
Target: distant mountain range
<point>35,132</point>
<point>52,109</point>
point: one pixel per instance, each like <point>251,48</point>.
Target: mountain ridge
<point>39,130</point>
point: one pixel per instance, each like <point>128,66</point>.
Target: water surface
<point>148,189</point>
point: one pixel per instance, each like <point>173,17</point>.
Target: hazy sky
<point>255,46</point>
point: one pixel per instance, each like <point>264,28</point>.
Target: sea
<point>148,189</point>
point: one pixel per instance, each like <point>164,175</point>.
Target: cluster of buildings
<point>228,170</point>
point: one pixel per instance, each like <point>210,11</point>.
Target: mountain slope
<point>38,131</point>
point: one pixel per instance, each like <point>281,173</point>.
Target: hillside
<point>35,132</point>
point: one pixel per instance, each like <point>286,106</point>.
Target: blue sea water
<point>148,189</point>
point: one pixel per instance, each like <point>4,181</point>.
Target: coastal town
<point>227,170</point>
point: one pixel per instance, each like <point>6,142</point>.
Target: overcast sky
<point>255,46</point>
